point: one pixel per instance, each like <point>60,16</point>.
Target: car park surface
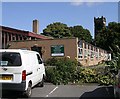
<point>74,91</point>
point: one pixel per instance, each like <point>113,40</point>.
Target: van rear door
<point>10,67</point>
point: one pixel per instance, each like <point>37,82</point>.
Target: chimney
<point>35,26</point>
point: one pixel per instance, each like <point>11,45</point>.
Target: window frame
<point>39,59</point>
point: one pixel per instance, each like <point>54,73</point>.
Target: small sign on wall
<point>57,50</point>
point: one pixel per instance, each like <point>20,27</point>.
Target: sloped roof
<point>23,32</point>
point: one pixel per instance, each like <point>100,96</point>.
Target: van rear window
<point>10,59</point>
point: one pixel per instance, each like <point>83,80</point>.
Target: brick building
<point>11,34</point>
<point>73,48</point>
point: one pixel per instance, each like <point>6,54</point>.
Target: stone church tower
<point>99,23</point>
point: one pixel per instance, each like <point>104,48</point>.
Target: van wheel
<point>41,84</point>
<point>28,92</point>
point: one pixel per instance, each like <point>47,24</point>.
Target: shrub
<point>63,72</point>
<point>104,79</point>
<point>115,63</point>
<point>88,75</point>
<point>66,71</point>
<point>51,62</point>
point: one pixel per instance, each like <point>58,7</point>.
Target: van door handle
<point>38,69</point>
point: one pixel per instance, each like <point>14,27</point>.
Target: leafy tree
<point>81,33</point>
<point>60,30</point>
<point>109,36</point>
<point>57,30</point>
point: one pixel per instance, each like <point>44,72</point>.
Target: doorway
<point>37,49</point>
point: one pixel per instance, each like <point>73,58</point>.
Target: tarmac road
<point>71,91</point>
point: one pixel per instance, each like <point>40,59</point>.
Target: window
<point>92,54</point>
<point>13,38</point>
<point>88,46</point>
<point>10,59</point>
<point>92,48</point>
<point>80,53</point>
<point>80,44</point>
<point>89,52</point>
<point>39,59</point>
<point>85,53</point>
<point>57,50</point>
<point>97,55</point>
<point>85,45</point>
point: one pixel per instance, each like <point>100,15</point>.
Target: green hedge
<point>66,71</point>
<point>63,72</point>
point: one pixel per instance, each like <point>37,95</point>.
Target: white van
<point>20,70</point>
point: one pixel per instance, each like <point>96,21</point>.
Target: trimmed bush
<point>88,75</point>
<point>66,71</point>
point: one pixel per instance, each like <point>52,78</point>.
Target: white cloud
<point>80,1</point>
<point>89,2</point>
<point>75,2</point>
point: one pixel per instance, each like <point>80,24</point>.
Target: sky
<point>19,15</point>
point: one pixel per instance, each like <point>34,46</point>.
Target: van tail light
<point>24,75</point>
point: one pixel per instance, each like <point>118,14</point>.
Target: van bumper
<point>13,86</point>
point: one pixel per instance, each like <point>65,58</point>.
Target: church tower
<point>99,24</point>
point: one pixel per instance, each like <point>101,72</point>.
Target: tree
<point>60,30</point>
<point>81,33</point>
<point>109,37</point>
<point>57,30</point>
